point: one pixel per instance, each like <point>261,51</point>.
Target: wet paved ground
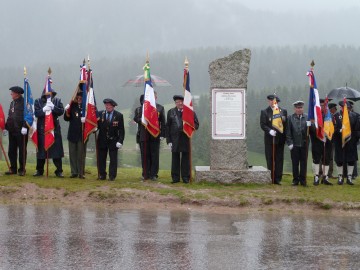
<point>48,237</point>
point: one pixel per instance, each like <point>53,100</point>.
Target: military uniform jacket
<point>296,131</point>
<point>174,131</point>
<point>144,135</point>
<point>15,120</point>
<point>56,150</point>
<point>75,126</point>
<point>112,132</point>
<point>266,116</point>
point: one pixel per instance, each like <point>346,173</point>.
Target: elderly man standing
<point>296,139</point>
<point>111,138</point>
<point>17,129</point>
<point>179,142</point>
<point>274,141</point>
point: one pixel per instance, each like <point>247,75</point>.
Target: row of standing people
<point>109,140</point>
<point>297,130</point>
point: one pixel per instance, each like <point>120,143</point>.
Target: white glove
<point>291,146</point>
<point>24,131</point>
<point>46,109</point>
<point>161,138</point>
<point>170,145</point>
<point>82,119</point>
<point>5,132</point>
<point>272,132</point>
<point>50,105</point>
<point>118,145</point>
<point>67,107</point>
<point>308,123</point>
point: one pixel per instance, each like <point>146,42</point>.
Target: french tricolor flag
<point>314,113</point>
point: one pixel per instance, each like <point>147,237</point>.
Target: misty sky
<point>39,31</point>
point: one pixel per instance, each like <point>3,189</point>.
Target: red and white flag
<point>188,110</point>
<point>90,108</point>
<point>49,120</point>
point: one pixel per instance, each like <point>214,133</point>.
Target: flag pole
<point>186,63</point>
<point>147,61</point>
<point>25,100</point>
<point>82,161</point>
<point>3,150</point>
<point>273,162</point>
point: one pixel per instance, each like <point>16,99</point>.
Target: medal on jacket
<point>76,114</point>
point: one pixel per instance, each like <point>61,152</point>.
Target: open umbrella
<point>138,81</point>
<point>344,91</point>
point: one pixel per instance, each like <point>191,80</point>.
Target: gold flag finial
<point>49,71</point>
<point>312,64</point>
<point>186,62</point>
<point>147,57</point>
<point>25,72</point>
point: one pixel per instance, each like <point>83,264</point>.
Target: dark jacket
<point>143,134</point>
<point>110,133</point>
<point>15,120</point>
<point>266,125</point>
<point>56,150</point>
<point>175,133</point>
<point>296,131</point>
<point>75,126</point>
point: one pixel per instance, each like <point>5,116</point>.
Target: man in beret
<point>150,145</point>
<point>296,137</point>
<point>321,152</point>
<point>345,156</point>
<point>273,140</point>
<point>111,138</point>
<point>179,142</point>
<point>77,148</point>
<point>17,130</point>
<point>56,151</point>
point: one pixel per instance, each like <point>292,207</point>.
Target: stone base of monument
<point>255,174</point>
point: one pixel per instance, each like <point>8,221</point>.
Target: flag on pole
<point>346,129</point>
<point>90,107</point>
<point>2,118</point>
<point>314,112</point>
<point>149,116</point>
<point>276,121</point>
<point>188,110</point>
<point>49,120</point>
<point>328,123</point>
<point>29,116</point>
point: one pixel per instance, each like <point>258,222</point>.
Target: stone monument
<point>228,149</point>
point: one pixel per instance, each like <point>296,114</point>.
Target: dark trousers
<point>113,154</point>
<point>150,158</point>
<point>279,160</point>
<point>298,157</point>
<point>40,163</point>
<point>16,143</point>
<point>77,156</point>
<point>180,160</point>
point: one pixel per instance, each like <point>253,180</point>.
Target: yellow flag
<point>346,129</point>
<point>276,119</point>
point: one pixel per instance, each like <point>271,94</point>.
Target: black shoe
<point>111,178</point>
<point>349,181</point>
<point>10,172</point>
<point>340,180</point>
<point>154,178</point>
<point>175,181</point>
<point>21,173</point>
<point>316,180</point>
<point>59,175</point>
<point>277,183</point>
<point>37,173</point>
<point>102,177</point>
<point>303,183</point>
<point>81,176</point>
<point>295,182</point>
<point>186,181</point>
<point>326,181</point>
<point>73,175</point>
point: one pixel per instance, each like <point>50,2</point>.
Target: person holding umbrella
<point>17,129</point>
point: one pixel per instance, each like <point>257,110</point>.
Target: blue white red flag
<point>188,110</point>
<point>29,116</point>
<point>314,113</point>
<point>49,120</point>
<point>90,124</point>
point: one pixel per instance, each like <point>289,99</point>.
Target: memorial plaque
<point>228,113</point>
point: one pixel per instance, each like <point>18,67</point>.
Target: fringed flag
<point>346,129</point>
<point>188,110</point>
<point>89,110</point>
<point>328,123</point>
<point>276,121</point>
<point>149,116</point>
<point>314,113</point>
<point>29,116</point>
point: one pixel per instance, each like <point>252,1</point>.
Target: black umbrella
<point>344,91</point>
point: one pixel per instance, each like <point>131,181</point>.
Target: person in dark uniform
<point>17,130</point>
<point>150,145</point>
<point>56,151</point>
<point>179,142</point>
<point>271,137</point>
<point>347,155</point>
<point>351,108</point>
<point>296,136</point>
<point>320,152</point>
<point>110,139</point>
<point>77,148</point>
